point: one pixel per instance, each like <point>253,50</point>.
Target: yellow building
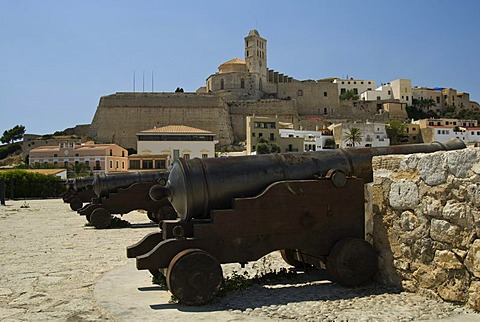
<point>97,157</point>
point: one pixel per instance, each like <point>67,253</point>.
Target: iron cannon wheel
<point>352,262</point>
<point>101,218</point>
<point>288,256</point>
<point>76,204</point>
<point>194,276</point>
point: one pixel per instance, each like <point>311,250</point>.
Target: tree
<point>353,135</point>
<point>14,134</point>
<point>349,95</point>
<point>265,147</point>
<point>396,130</point>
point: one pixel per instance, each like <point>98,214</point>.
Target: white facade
<point>313,140</point>
<point>372,135</point>
<point>467,134</point>
<point>357,85</point>
<point>175,141</point>
<point>384,92</point>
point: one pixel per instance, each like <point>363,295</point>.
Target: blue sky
<point>57,58</point>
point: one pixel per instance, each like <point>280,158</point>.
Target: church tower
<point>256,57</point>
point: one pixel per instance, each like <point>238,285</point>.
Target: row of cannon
<point>107,195</point>
<point>309,206</point>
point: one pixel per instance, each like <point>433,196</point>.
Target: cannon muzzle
<point>80,184</point>
<point>197,186</point>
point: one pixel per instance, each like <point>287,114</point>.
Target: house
<point>158,148</point>
<point>370,135</point>
<point>271,130</point>
<point>104,158</point>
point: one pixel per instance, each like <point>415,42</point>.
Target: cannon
<point>120,193</point>
<point>79,190</point>
<point>309,206</point>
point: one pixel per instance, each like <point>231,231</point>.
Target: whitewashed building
<point>358,86</point>
<point>158,148</point>
<point>371,135</point>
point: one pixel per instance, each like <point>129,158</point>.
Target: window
<point>111,153</point>
<point>65,163</point>
<point>123,164</point>
<point>123,153</point>
<point>438,100</point>
<point>389,92</point>
<point>343,90</point>
<point>378,98</point>
<point>222,84</point>
<point>116,164</point>
<point>111,163</point>
<point>355,91</point>
<point>204,156</point>
<point>160,164</point>
<point>134,164</point>
<point>325,94</point>
<point>260,135</point>
<point>97,165</point>
<point>242,83</point>
<point>253,134</point>
<point>55,155</point>
<point>299,92</point>
<point>87,163</point>
<point>272,137</point>
<point>324,111</point>
<point>407,98</point>
<point>186,156</point>
<point>147,164</point>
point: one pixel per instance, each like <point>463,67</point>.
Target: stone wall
<point>120,116</point>
<point>426,223</point>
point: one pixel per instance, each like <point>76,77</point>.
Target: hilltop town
<point>247,90</point>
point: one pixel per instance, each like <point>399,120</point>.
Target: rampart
<point>120,116</point>
<point>425,223</point>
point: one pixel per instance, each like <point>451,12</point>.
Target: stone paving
<point>51,262</point>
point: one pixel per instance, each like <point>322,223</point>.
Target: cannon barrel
<point>196,186</point>
<point>104,184</point>
<point>80,184</point>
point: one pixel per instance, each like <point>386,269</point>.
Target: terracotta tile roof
<point>176,129</point>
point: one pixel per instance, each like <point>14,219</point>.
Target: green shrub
<point>32,185</point>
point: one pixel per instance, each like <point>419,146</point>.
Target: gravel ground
<point>50,261</point>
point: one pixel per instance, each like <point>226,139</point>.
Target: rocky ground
<point>50,261</point>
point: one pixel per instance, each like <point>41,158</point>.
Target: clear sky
<point>57,58</point>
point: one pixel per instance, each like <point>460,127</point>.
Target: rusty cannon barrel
<point>108,183</point>
<point>196,186</point>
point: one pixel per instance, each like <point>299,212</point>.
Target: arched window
<point>242,83</point>
<point>222,84</point>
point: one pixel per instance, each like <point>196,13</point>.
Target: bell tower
<point>256,56</point>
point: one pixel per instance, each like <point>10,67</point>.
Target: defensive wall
<point>424,221</point>
<point>120,116</point>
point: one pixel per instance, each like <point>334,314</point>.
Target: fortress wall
<point>120,116</point>
<point>285,110</point>
<point>426,223</point>
<point>312,97</point>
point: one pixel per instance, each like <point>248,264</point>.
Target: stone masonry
<point>426,223</point>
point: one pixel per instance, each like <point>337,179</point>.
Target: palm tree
<point>353,135</point>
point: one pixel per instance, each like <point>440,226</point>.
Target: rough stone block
<point>443,231</point>
<point>474,296</point>
<point>472,260</point>
<point>403,195</point>
<point>433,169</point>
<point>447,260</point>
